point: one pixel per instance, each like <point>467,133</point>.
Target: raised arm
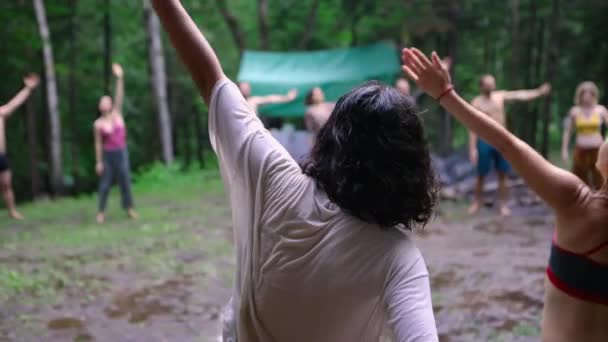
<point>274,99</point>
<point>191,45</point>
<point>30,83</point>
<point>560,189</point>
<point>527,95</point>
<point>119,95</point>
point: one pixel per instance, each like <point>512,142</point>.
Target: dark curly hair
<point>372,159</point>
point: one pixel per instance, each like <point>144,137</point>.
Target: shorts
<point>584,167</point>
<point>3,163</point>
<point>490,158</point>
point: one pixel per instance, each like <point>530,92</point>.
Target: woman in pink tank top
<point>111,154</point>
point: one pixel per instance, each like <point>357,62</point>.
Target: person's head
<point>372,158</point>
<point>587,94</point>
<point>602,161</point>
<point>487,84</point>
<point>245,88</point>
<point>105,105</point>
<point>403,86</point>
<point>314,96</point>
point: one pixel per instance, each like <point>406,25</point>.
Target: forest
<point>73,43</point>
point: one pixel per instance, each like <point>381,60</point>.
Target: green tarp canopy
<point>335,71</point>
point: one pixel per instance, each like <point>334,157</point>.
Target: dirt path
<point>487,275</point>
<point>167,279</point>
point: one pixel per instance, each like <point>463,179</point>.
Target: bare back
<point>317,115</point>
<point>493,105</point>
<point>580,229</point>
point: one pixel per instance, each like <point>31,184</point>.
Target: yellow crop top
<point>589,126</point>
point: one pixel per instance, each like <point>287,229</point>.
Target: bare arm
<point>98,150</point>
<point>567,135</point>
<point>274,99</point>
<point>560,189</point>
<point>31,82</point>
<point>119,95</point>
<point>473,154</point>
<point>526,95</point>
<point>191,45</point>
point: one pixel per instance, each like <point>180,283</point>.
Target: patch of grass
<point>525,329</point>
<point>50,249</point>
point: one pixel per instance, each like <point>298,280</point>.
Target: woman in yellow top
<point>586,117</point>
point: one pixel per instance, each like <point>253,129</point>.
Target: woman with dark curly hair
<point>323,252</point>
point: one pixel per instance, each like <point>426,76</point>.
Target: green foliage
<point>484,37</point>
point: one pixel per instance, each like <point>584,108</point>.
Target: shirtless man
<point>31,82</point>
<point>317,111</point>
<point>492,102</point>
<point>256,101</point>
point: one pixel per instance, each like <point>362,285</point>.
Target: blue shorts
<point>489,158</point>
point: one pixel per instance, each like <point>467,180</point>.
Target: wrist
<point>448,93</point>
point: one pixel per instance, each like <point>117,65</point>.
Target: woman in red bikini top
<point>576,298</point>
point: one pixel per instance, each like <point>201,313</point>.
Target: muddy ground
<point>166,278</point>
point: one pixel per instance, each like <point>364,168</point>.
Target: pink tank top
<point>116,139</point>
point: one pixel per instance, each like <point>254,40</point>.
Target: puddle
<point>65,323</point>
<point>140,305</point>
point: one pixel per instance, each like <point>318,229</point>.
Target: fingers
<point>437,61</point>
<point>411,74</point>
<point>422,59</point>
<point>413,62</point>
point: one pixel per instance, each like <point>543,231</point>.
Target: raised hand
<point>292,94</point>
<point>31,81</point>
<point>117,70</point>
<point>432,77</point>
<point>545,89</point>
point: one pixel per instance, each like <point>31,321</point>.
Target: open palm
<point>431,76</point>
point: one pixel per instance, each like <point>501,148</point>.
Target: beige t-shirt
<point>306,271</point>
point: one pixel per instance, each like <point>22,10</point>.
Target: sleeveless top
<point>116,139</point>
<point>588,126</point>
<point>577,275</point>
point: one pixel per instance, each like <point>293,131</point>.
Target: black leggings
<point>115,167</point>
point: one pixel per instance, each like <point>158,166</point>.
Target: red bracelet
<point>445,92</point>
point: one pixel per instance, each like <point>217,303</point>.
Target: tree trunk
<point>233,25</point>
<point>107,48</point>
<point>56,173</point>
<point>32,142</point>
<point>311,23</point>
<point>263,24</point>
<point>159,83</point>
<point>525,124</point>
<point>74,134</point>
<point>447,135</point>
<point>538,73</point>
<point>553,55</point>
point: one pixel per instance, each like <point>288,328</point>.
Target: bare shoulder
<point>475,101</point>
<point>499,95</point>
<point>574,111</point>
